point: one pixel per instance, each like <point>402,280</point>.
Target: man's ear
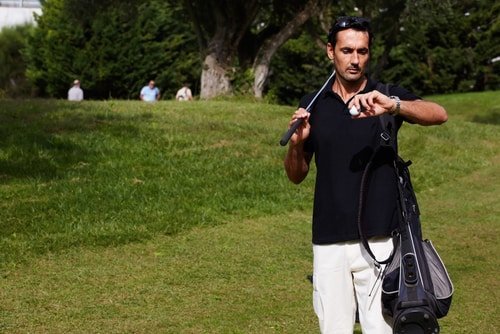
<point>330,52</point>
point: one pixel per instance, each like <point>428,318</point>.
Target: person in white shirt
<point>184,94</point>
<point>75,93</point>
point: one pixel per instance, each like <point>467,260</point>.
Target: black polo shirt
<point>342,147</point>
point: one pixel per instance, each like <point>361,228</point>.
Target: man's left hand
<point>371,104</point>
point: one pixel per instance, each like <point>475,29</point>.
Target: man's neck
<point>347,89</point>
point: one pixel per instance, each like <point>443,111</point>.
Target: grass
<point>123,217</point>
<point>108,173</point>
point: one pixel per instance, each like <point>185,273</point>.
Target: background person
<point>75,93</point>
<point>344,275</point>
<point>150,93</point>
<point>184,94</point>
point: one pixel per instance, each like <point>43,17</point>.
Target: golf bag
<point>416,288</point>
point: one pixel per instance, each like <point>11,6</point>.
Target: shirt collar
<point>370,85</point>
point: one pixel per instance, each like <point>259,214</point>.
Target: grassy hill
<point>120,216</point>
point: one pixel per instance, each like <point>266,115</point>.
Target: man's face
<point>151,84</point>
<point>351,54</point>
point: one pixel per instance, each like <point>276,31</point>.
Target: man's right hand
<point>303,130</point>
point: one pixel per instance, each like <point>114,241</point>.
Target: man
<point>344,275</point>
<point>75,93</point>
<point>150,93</point>
<point>184,94</point>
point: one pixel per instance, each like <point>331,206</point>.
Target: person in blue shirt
<point>150,93</point>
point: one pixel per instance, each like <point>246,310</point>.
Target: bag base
<point>416,321</point>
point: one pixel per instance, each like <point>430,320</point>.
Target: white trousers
<point>345,279</point>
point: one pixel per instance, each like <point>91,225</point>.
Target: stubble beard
<point>352,78</point>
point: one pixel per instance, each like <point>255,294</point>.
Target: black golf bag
<point>416,288</point>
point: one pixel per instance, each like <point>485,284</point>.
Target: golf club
<point>286,137</point>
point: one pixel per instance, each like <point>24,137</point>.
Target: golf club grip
<point>286,137</point>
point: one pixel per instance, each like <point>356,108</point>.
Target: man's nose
<point>354,58</point>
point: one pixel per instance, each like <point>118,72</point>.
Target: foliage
<point>241,35</point>
<point>13,81</point>
<point>427,46</point>
<point>299,67</point>
<point>446,47</point>
<point>113,47</point>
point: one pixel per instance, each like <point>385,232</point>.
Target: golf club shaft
<point>286,137</point>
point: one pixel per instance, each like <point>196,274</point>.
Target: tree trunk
<point>269,47</point>
<point>261,72</point>
<point>214,78</point>
<point>220,27</point>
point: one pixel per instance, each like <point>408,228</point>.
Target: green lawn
<point>124,217</point>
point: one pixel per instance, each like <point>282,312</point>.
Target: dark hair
<point>349,22</point>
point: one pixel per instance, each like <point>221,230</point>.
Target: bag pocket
<point>441,282</point>
<point>442,287</point>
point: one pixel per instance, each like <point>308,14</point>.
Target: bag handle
<point>387,140</point>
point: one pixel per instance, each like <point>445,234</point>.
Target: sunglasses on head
<point>351,21</point>
<point>346,22</point>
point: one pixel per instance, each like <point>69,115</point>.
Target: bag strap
<point>387,140</point>
<point>387,124</point>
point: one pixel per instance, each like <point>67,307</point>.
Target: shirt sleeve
<point>403,93</point>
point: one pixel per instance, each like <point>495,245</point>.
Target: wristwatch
<point>398,105</point>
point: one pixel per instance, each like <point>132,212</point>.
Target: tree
<point>482,36</point>
<point>114,47</point>
<point>13,81</point>
<point>301,64</point>
<point>256,46</point>
<point>270,46</point>
<point>242,32</point>
<point>445,46</point>
<point>219,26</point>
<point>299,67</point>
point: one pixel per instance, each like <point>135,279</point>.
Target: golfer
<point>342,139</point>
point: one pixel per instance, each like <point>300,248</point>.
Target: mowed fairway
<point>124,217</point>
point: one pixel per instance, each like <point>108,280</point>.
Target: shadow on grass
<point>46,140</point>
<point>37,138</point>
<point>489,118</point>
